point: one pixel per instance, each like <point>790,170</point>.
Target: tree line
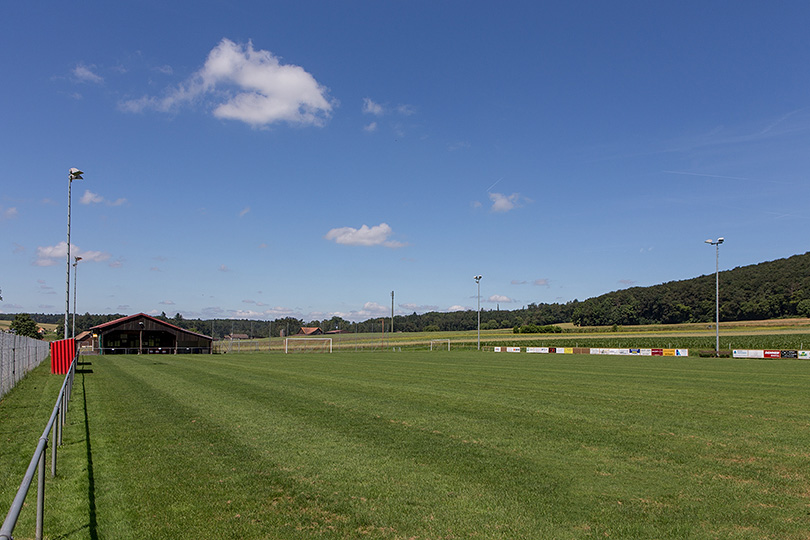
<point>768,290</point>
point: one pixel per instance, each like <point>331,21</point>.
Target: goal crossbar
<point>439,342</point>
<point>311,343</point>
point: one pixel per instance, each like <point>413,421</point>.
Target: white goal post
<point>307,344</point>
<point>439,343</point>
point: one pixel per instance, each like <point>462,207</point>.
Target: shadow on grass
<point>91,481</point>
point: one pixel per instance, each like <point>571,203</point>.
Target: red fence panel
<point>62,353</point>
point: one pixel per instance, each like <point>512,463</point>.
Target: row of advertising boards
<point>755,353</point>
<point>586,350</point>
<point>737,353</point>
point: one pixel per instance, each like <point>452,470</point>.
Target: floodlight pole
<point>73,174</point>
<point>716,244</point>
<point>478,282</point>
<point>75,274</point>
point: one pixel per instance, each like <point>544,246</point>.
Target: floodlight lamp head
<point>709,241</point>
<point>721,240</point>
<point>477,278</point>
<point>75,174</point>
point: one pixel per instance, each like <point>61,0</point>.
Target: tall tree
<point>24,325</point>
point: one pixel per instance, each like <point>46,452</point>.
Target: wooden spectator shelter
<point>142,334</point>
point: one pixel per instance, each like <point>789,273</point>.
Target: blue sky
<point>266,159</point>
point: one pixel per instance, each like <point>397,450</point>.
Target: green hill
<point>768,290</point>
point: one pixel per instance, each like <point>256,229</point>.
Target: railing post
<point>56,433</point>
<point>41,494</point>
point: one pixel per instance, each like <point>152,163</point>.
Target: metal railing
<point>55,425</point>
<point>18,356</point>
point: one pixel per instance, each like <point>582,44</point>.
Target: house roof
<point>309,330</point>
<point>116,322</point>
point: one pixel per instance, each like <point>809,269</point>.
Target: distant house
<point>84,342</point>
<point>310,331</point>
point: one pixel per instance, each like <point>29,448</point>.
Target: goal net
<point>439,344</point>
<point>308,344</point>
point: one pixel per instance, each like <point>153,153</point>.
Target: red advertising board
<point>62,353</point>
<point>657,352</point>
<point>773,354</point>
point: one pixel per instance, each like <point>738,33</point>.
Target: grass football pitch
<point>419,445</point>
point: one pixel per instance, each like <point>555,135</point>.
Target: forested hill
<point>767,290</point>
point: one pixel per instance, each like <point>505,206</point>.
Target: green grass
<point>421,445</point>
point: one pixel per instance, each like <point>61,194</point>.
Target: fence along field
<point>439,445</point>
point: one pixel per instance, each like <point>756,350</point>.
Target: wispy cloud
<point>379,110</point>
<point>370,107</point>
<point>44,288</point>
<point>8,213</point>
<point>266,91</point>
<point>51,255</point>
<point>86,74</point>
<point>419,308</point>
<point>244,211</point>
<point>505,203</point>
<point>364,236</point>
<point>94,198</point>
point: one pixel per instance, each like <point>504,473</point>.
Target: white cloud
<point>364,236</point>
<point>51,255</point>
<point>94,198</point>
<point>370,107</point>
<point>223,268</point>
<point>373,309</point>
<point>244,211</point>
<point>457,308</point>
<point>504,203</point>
<point>166,303</point>
<point>91,256</point>
<point>248,85</point>
<point>9,213</point>
<point>371,128</point>
<point>542,282</point>
<point>86,74</point>
<point>499,298</point>
<point>90,198</point>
